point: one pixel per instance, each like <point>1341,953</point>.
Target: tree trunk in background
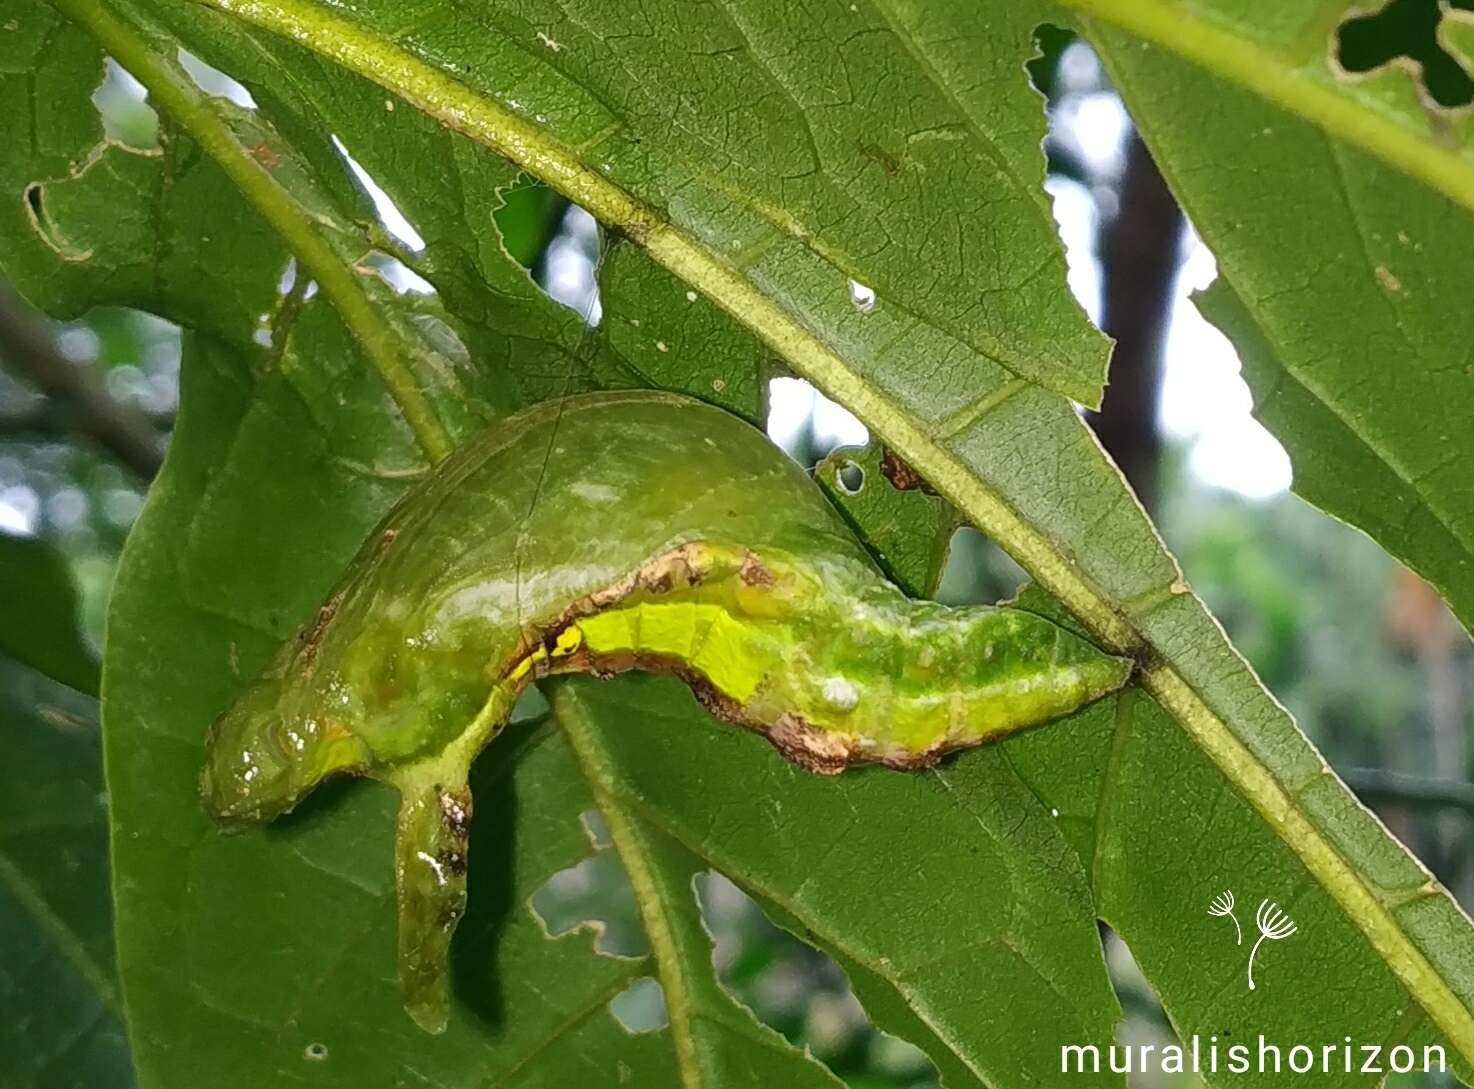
<point>1138,255</point>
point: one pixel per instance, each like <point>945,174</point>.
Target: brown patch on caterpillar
<point>902,760</point>
<point>455,818</point>
<point>754,572</point>
<point>454,863</point>
<point>455,811</point>
<point>813,750</point>
<point>682,567</point>
<point>901,475</point>
<point>312,636</point>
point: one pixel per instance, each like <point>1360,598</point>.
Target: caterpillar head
<point>269,750</point>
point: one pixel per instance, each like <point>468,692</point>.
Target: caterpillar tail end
<point>430,850</point>
<point>1109,675</point>
<point>1087,672</point>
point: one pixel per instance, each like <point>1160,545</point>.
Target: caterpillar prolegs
<point>600,534</point>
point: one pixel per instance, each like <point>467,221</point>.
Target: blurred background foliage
<point>1368,659</point>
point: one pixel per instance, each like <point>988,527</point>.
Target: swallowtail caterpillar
<point>600,534</point>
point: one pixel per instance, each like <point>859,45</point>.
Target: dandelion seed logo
<point>1222,908</point>
<point>1274,925</point>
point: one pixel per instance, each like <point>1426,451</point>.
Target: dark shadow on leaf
<point>328,796</point>
<point>476,981</point>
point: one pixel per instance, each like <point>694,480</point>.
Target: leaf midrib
<point>637,866</point>
<point>488,123</point>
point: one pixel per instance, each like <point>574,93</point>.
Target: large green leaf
<point>256,464</point>
<point>1286,54</point>
<point>1344,298</point>
<point>61,1023</point>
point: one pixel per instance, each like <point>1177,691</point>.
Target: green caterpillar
<point>600,534</point>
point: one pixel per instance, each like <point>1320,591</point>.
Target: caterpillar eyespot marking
<point>656,533</point>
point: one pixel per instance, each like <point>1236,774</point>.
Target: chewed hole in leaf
<point>532,704</point>
<point>807,425</point>
<point>977,571</point>
<point>1404,33</point>
<point>1145,1022</point>
<point>594,895</point>
<point>596,828</point>
<point>40,216</point>
<point>1050,44</point>
<point>394,221</point>
<point>850,478</point>
<point>798,991</point>
<point>530,216</point>
<point>1088,123</point>
<point>569,267</point>
<point>122,103</point>
<point>214,82</point>
<point>863,297</point>
<point>557,242</point>
<point>640,1007</point>
<point>151,380</point>
<point>394,272</point>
